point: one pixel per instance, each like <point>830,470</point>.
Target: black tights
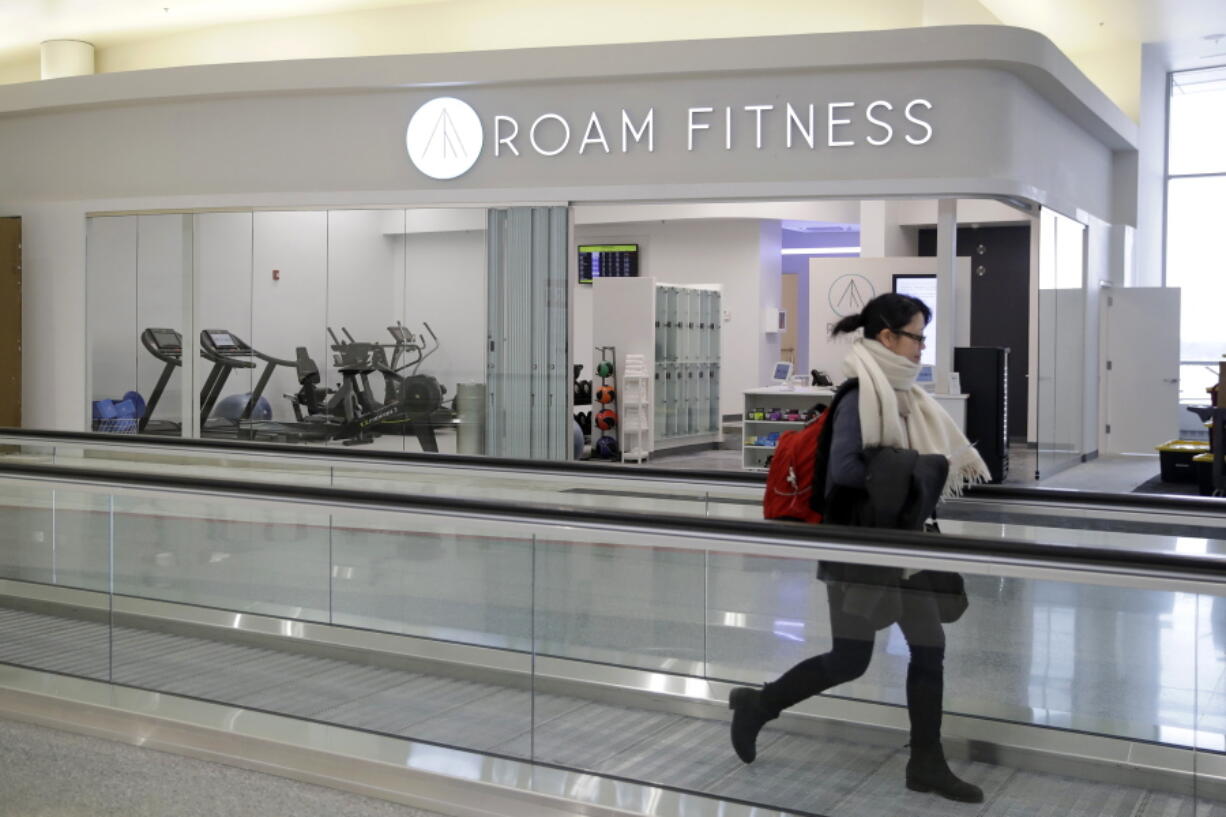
<point>852,651</point>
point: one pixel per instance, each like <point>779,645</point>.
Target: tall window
<point>1196,190</point>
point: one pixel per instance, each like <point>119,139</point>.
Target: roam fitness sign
<point>446,136</point>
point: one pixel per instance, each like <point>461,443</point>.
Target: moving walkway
<point>600,647</point>
<point>1073,518</point>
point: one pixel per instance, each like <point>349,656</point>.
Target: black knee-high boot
<point>927,769</point>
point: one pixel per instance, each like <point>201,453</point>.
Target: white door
<point>1143,368</point>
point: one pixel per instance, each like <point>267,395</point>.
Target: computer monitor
<point>923,287</point>
<point>782,373</point>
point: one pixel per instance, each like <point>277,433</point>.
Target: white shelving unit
<point>635,410</point>
<point>784,400</point>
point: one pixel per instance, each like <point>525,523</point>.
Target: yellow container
<point>1175,458</point>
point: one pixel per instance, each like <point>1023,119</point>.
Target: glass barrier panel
<point>1210,656</point>
<point>601,599</point>
<point>448,602</point>
<point>54,606</point>
<point>239,555</point>
<point>440,577</point>
<point>581,491</point>
<point>32,453</point>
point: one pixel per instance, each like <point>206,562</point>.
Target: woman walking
<point>880,410</point>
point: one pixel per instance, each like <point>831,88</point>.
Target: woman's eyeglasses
<point>920,339</point>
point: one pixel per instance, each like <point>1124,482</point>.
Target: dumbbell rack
<point>581,402</point>
<point>608,354</point>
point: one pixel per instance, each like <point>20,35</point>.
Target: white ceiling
<point>26,23</point>
<point>1089,25</point>
<point>1076,26</point>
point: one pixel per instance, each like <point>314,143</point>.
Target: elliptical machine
<point>410,399</point>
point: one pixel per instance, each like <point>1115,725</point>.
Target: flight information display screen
<point>608,261</point>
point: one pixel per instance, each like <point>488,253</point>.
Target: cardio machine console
<point>164,344</point>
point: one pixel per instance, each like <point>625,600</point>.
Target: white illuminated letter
<point>794,119</point>
<point>565,139</point>
<point>833,122</point>
<point>757,110</point>
<point>696,125</point>
<point>889,130</point>
<point>499,140</point>
<point>648,126</point>
<point>911,118</point>
<point>588,139</point>
<point>728,128</point>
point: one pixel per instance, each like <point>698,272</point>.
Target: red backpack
<point>789,482</point>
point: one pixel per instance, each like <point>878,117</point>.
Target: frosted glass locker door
<point>661,333</point>
<point>688,325</point>
<point>691,396</point>
<point>704,315</point>
<point>673,351</point>
<point>680,324</point>
<point>683,398</point>
<point>701,410</point>
<point>674,381</point>
<point>660,406</point>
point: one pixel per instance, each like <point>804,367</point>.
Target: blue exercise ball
<point>231,408</point>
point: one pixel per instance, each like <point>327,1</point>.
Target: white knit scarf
<point>889,396</point>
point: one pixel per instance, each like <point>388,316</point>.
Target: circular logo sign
<point>444,138</point>
<point>849,293</point>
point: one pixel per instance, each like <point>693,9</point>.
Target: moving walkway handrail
<point>733,479</point>
<point>1180,567</point>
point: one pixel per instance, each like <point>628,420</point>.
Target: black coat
<point>902,490</point>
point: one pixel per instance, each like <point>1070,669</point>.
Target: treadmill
<point>167,346</point>
<point>227,352</point>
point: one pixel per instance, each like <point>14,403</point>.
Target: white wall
<point>740,255</point>
<point>445,287</point>
<point>365,281</point>
<point>289,312</point>
<point>159,302</point>
<point>111,248</point>
<point>223,271</point>
<point>770,299</point>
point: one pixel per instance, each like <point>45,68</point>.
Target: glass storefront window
<point>306,326</point>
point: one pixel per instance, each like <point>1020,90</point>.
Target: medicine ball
<point>138,402</point>
<point>604,368</point>
<point>606,448</point>
<point>605,395</point>
<point>606,419</point>
<point>231,408</point>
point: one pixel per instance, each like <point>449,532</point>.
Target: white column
<point>66,58</point>
<point>947,244</point>
<point>881,236</point>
